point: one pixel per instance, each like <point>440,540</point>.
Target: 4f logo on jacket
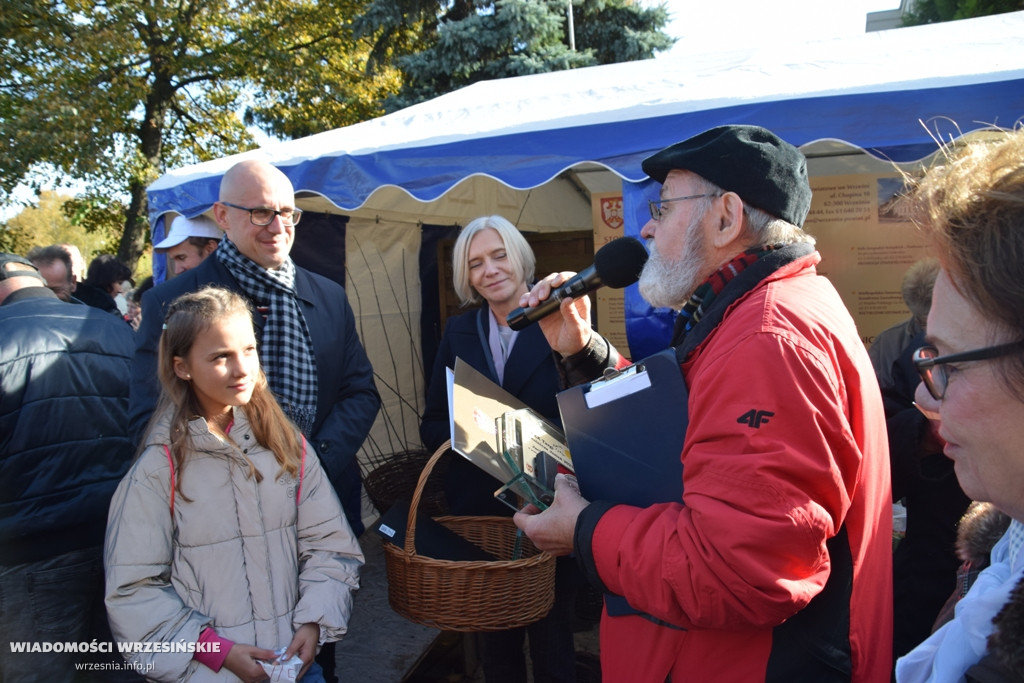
<point>755,418</point>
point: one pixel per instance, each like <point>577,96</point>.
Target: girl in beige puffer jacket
<point>226,543</point>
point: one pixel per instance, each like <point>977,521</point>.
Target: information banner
<point>866,243</point>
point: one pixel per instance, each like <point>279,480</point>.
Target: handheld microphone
<point>616,265</point>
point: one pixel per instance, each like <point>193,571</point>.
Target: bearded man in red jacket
<point>775,565</point>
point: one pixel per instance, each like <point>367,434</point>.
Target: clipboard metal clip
<point>617,384</point>
<point>610,373</point>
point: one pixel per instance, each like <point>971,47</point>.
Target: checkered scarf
<point>709,302</point>
<point>286,351</point>
<point>1016,540</point>
<point>693,310</point>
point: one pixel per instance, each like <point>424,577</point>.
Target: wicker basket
<point>470,596</point>
<point>395,478</point>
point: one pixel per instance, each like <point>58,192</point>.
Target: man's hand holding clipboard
<point>552,530</point>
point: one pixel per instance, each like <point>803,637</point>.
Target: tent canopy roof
<point>891,93</point>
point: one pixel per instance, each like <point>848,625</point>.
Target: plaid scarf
<point>700,300</point>
<point>766,259</point>
<point>1016,540</point>
<point>286,350</point>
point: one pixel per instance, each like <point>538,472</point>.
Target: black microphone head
<point>619,262</point>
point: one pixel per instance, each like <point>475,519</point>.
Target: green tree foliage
<point>933,11</point>
<point>320,82</point>
<point>442,46</point>
<point>58,218</point>
<point>115,92</point>
<point>13,239</point>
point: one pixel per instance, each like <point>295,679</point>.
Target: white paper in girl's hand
<point>286,670</point>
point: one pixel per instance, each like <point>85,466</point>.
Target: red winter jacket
<point>776,565</point>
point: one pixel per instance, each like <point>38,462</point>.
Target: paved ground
<point>383,647</point>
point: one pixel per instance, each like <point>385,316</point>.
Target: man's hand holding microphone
<point>616,264</point>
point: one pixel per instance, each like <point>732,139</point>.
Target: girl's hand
<point>304,645</point>
<point>243,661</point>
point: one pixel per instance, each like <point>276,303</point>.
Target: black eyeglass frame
<point>293,220</point>
<point>655,206</point>
<point>925,366</point>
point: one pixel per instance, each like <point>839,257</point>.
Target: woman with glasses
<point>972,372</point>
<point>925,562</point>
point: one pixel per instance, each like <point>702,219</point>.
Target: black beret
<point>764,170</point>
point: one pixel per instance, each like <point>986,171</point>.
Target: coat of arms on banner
<point>611,212</point>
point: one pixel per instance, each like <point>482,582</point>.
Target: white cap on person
<point>182,228</point>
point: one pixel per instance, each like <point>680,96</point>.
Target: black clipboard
<point>625,433</point>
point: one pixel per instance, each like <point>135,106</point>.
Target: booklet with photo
<point>533,469</point>
<point>504,437</point>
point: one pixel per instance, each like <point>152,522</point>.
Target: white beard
<point>669,284</point>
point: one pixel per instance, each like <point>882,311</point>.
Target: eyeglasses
<point>263,216</point>
<point>932,367</point>
<point>657,212</point>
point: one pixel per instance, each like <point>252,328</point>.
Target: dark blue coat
<point>64,442</point>
<point>530,375</point>
<point>347,399</point>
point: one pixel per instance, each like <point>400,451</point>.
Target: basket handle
<point>410,524</point>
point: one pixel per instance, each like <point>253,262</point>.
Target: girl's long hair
<point>187,317</point>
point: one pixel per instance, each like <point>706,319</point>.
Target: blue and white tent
<point>888,93</point>
<point>533,148</point>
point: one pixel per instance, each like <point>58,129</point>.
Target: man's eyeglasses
<point>264,216</point>
<point>657,212</point>
<point>932,367</point>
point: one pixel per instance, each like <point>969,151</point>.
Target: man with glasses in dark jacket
<point>309,349</point>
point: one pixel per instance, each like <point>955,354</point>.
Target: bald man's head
<point>255,184</point>
<point>244,174</point>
